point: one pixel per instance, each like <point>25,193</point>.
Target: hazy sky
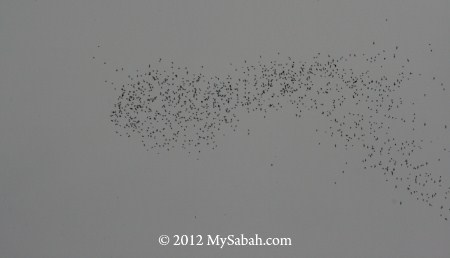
<point>71,187</point>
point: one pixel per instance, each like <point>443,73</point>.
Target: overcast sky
<point>71,187</point>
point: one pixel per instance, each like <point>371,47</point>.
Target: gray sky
<point>71,187</point>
